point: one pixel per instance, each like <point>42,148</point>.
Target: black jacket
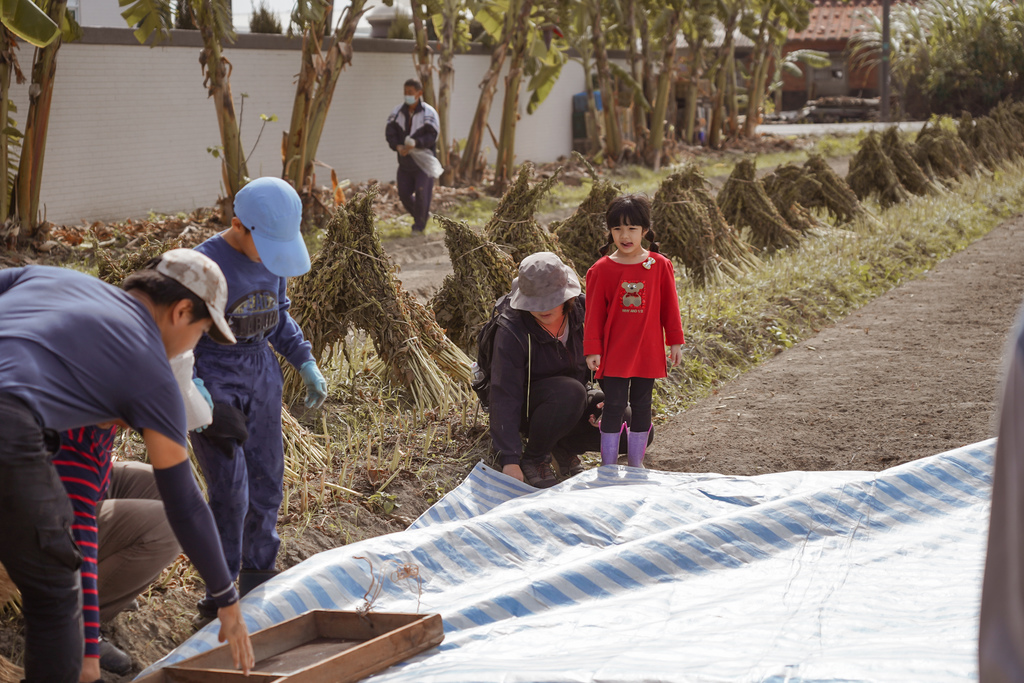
<point>423,126</point>
<point>524,352</point>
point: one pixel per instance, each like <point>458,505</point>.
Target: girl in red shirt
<point>632,315</point>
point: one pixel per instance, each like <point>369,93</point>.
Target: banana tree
<point>423,54</point>
<point>768,27</point>
<point>533,55</point>
<point>577,18</point>
<point>497,21</point>
<point>46,26</point>
<point>314,91</point>
<point>153,18</point>
<point>503,166</point>
<point>729,14</point>
<point>697,30</point>
<point>671,16</point>
<point>609,99</point>
<point>452,31</point>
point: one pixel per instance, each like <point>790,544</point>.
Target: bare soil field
<point>913,373</point>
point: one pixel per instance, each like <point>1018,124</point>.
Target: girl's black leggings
<point>620,392</point>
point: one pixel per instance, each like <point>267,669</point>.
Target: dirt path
<point>913,373</point>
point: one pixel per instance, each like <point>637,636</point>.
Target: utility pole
<point>883,76</point>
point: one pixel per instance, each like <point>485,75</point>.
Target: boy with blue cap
<point>245,474</point>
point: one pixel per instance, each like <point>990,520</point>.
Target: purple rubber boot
<point>636,447</point>
<point>610,447</point>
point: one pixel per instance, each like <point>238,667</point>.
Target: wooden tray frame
<point>380,640</point>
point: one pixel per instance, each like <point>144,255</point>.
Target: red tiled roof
<point>836,19</point>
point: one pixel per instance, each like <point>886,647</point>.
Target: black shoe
<point>113,659</point>
<point>538,474</point>
<point>568,465</point>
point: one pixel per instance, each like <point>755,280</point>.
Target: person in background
<point>414,124</point>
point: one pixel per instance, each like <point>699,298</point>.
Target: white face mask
<point>410,99</point>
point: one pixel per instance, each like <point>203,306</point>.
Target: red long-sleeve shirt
<point>83,465</point>
<point>632,315</point>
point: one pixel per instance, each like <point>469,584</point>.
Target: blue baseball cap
<point>272,211</point>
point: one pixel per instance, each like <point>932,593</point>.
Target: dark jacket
<point>423,126</point>
<point>524,352</point>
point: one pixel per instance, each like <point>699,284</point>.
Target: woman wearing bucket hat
<point>539,375</point>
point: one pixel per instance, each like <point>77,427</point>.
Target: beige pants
<point>135,539</point>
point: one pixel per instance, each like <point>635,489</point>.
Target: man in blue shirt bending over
<point>75,351</point>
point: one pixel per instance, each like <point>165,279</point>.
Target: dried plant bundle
<point>482,272</point>
<point>352,283</point>
<point>872,173</point>
<point>746,205</point>
<point>584,232</point>
<point>693,230</point>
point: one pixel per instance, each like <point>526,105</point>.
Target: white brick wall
<point>130,124</point>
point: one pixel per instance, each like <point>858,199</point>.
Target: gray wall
<point>131,124</point>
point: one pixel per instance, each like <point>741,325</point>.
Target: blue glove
<point>201,388</point>
<point>316,387</point>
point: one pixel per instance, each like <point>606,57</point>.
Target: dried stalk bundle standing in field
<point>745,204</point>
<point>352,283</point>
<point>872,173</point>
<point>514,224</point>
<point>8,591</point>
<point>941,153</point>
<point>584,232</point>
<point>482,273</point>
<point>1010,117</point>
<point>10,673</point>
<point>115,267</point>
<point>907,170</point>
<point>693,230</point>
<point>788,186</point>
<point>986,138</point>
<point>831,193</point>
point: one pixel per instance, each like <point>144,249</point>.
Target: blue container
<point>579,101</point>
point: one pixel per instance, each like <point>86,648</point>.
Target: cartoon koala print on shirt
<point>632,296</point>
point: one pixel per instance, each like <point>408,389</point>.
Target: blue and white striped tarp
<point>630,575</point>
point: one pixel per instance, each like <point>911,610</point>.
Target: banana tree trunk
<point>337,58</point>
<point>217,74</point>
<point>33,145</point>
<point>294,147</point>
<point>593,134</point>
<point>469,170</point>
<point>718,107</point>
<point>505,163</point>
<point>446,76</point>
<point>612,135</point>
<point>7,66</point>
<point>647,70</point>
<point>755,91</point>
<point>424,60</point>
<point>664,85</point>
<point>693,91</point>
<point>732,100</point>
<point>636,67</point>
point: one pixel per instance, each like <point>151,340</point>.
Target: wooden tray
<point>322,646</point>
